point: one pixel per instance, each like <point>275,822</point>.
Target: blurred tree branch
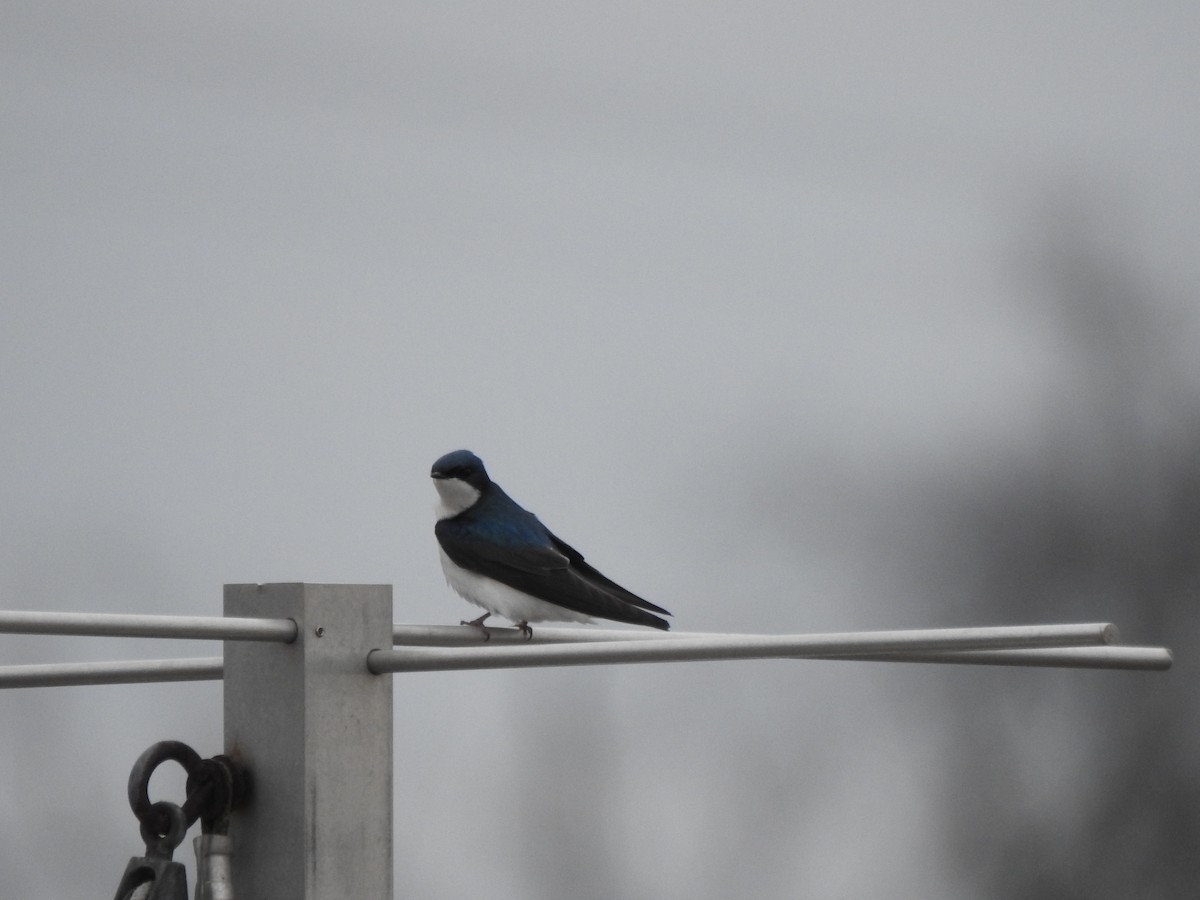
<point>1102,522</point>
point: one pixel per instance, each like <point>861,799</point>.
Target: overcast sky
<point>262,263</point>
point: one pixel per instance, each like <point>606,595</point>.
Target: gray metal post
<point>314,728</point>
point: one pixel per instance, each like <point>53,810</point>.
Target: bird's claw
<point>478,623</point>
<point>524,628</point>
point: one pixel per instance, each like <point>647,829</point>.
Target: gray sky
<point>262,263</point>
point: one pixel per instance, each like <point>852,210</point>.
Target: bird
<point>499,556</point>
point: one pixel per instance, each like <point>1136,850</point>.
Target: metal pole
<point>314,729</point>
<point>1086,634</point>
<point>210,668</point>
<point>732,646</point>
<point>125,672</point>
<point>1156,659</point>
<point>123,625</point>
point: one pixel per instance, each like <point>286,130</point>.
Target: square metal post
<point>314,728</point>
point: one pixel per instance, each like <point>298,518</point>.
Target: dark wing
<point>499,539</point>
<point>593,575</point>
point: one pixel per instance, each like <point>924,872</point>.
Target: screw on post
<point>214,787</point>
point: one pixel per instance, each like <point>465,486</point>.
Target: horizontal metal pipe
<point>1157,659</point>
<point>418,660</point>
<point>217,628</point>
<point>1087,634</point>
<point>124,672</point>
<point>733,646</point>
<point>1135,658</point>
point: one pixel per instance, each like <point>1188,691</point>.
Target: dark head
<point>463,465</point>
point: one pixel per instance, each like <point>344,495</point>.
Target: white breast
<point>501,600</point>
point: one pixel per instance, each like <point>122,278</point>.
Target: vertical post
<point>314,728</point>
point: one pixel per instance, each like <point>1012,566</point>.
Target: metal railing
<point>424,648</point>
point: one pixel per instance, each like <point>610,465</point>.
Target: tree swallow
<point>500,557</point>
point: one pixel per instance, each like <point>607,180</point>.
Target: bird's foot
<point>524,628</point>
<point>478,623</point>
